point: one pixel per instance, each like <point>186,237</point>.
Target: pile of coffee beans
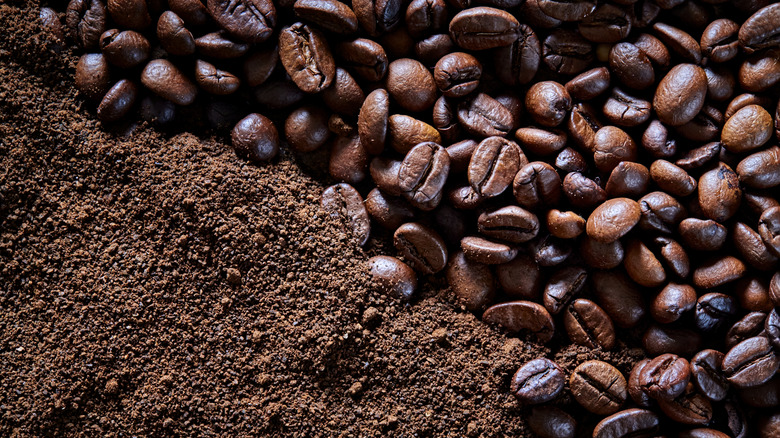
<point>596,173</point>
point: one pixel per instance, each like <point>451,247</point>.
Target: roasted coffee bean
<point>706,126</point>
<point>118,101</point>
<point>613,219</point>
<point>306,128</point>
<point>124,49</point>
<point>276,94</point>
<point>679,42</point>
<point>256,138</point>
<point>766,395</point>
<point>330,15</point>
<point>215,81</point>
<point>431,49</point>
<point>583,192</point>
<point>92,77</point>
<point>493,166</point>
<point>569,160</point>
<point>672,255</point>
<point>672,179</point>
<point>751,248</point>
<point>378,17</point>
<point>719,193</point>
<point>537,185</point>
<point>159,111</point>
<point>619,297</point>
<point>174,36</point>
<point>598,387</point>
<point>751,362</point>
<point>510,223</point>
<point>628,423</point>
<point>611,145</point>
<point>583,125</point>
<point>366,57</point>
<point>718,271</point>
<point>86,21</point>
<point>540,141</point>
<point>339,126</point>
<point>460,154</point>
<point>719,40</point>
<point>702,235</point>
<point>549,251</point>
<point>465,198</point>
<point>688,408</point>
<point>565,224</point>
<point>563,285</point>
<point>423,173</point>
<point>631,66</point>
<point>672,302</point>
<point>566,52</point>
<point>761,71</point>
<point>342,202</point>
<point>520,278</point>
<point>50,21</point>
<point>607,24</point>
<point>748,129</point>
<point>193,12</point>
<point>660,212</point>
<point>744,100</point>
<point>487,251</point>
<point>131,14</point>
<point>165,80</point>
<point>306,57</point>
<point>483,28</point>
<point>590,84</point>
<point>707,375</point>
<point>635,389</point>
<point>516,316</point>
<point>373,121</point>
<point>259,66</point>
<point>538,381</point>
<point>404,133</point>
<point>252,21</point>
<point>426,16</point>
<point>657,141</point>
<point>445,119</point>
<point>344,96</point>
<point>567,10</point>
<point>457,74</point>
<point>625,110</point>
<point>348,159</point>
<point>659,340</point>
<point>654,49</point>
<point>393,276</point>
<point>472,282</point>
<point>749,326</point>
<point>484,116</point>
<point>721,83</point>
<point>628,179</point>
<point>389,211</point>
<point>422,247</point>
<point>518,62</point>
<point>769,426</point>
<point>752,292</point>
<point>680,94</point>
<point>699,157</point>
<point>761,170</point>
<point>548,103</point>
<point>411,84</point>
<point>769,229</point>
<point>642,265</point>
<point>665,377</point>
<point>761,30</point>
<point>587,324</point>
<point>551,422</point>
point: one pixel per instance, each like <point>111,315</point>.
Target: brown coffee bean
<point>719,193</point>
<point>219,45</point>
<point>702,235</point>
<point>548,103</point>
<point>613,219</point>
<point>679,42</point>
<point>718,271</point>
<point>607,24</point>
<point>378,17</point>
<point>718,41</point>
<point>423,173</point>
<point>672,302</point>
<point>680,94</point>
<point>567,11</point>
<point>457,74</point>
<point>628,179</point>
<point>565,224</point>
<point>483,28</point>
<point>660,212</point>
<point>537,185</point>
<point>541,141</point>
<point>566,52</point>
<point>748,129</point>
<point>520,278</point>
<point>445,119</point>
<point>761,170</point>
<point>657,141</point>
<point>306,128</point>
<point>665,377</point>
<point>688,408</point>
<point>373,121</point>
<point>277,94</point>
<point>487,251</point>
<point>493,166</point>
<point>612,145</point>
<point>751,248</point>
<point>124,49</point>
<point>484,116</point>
<point>465,198</point>
<point>569,160</point>
<point>422,247</point>
<point>472,282</point>
<point>590,84</point>
<point>518,62</point>
<point>538,381</point>
<point>50,21</point>
<point>389,211</point>
<point>249,20</point>
<point>343,202</point>
<point>642,265</point>
<point>769,229</point>
<point>707,375</point>
<point>563,285</point>
<point>404,133</point>
<point>631,66</point>
<point>344,96</point>
<point>699,157</point>
<point>118,101</point>
<point>330,15</point>
<point>366,57</point>
<point>551,422</point>
<point>619,297</point>
<point>720,87</point>
<point>174,36</point>
<point>672,179</point>
<point>193,12</point>
<point>256,138</point>
<point>393,276</point>
<point>411,84</point>
<point>623,109</point>
<point>215,81</point>
<point>131,14</point>
<point>761,71</point>
<point>760,31</point>
<point>426,16</point>
<point>516,316</point>
<point>86,21</point>
<point>306,57</point>
<point>635,389</point>
<point>751,362</point>
<point>598,387</point>
<point>460,154</point>
<point>348,159</point>
<point>510,223</point>
<point>587,324</point>
<point>549,251</point>
<point>165,80</point>
<point>661,339</point>
<point>766,395</point>
<point>654,49</point>
<point>626,423</point>
<point>92,77</point>
<point>384,173</point>
<point>583,192</point>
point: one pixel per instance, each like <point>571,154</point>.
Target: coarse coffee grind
<point>583,171</point>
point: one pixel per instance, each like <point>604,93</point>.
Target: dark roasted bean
<point>423,173</point>
<point>598,387</point>
<point>486,251</point>
<point>472,282</point>
<point>628,423</point>
<point>510,223</point>
<point>665,377</point>
<point>587,324</point>
<point>562,286</point>
<point>707,375</point>
<point>393,276</point>
<point>343,202</point>
<point>421,246</point>
<point>249,20</point>
<point>751,362</point>
<point>538,381</point>
<point>483,28</point>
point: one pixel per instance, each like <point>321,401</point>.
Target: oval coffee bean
<point>751,248</point>
<point>487,251</point>
<point>625,110</point>
<point>719,193</point>
<point>518,62</point>
<point>220,45</point>
<point>751,362</point>
<point>628,423</point>
<point>748,129</point>
<point>348,159</point>
<point>213,80</point>
<point>483,28</point>
<point>538,381</point>
<point>587,324</point>
<point>472,282</point>
<point>613,219</point>
<point>249,20</point>
<point>567,52</point>
<point>343,202</point>
<point>131,14</point>
<point>563,285</point>
<point>665,377</point>
<point>516,316</point>
<point>86,21</point>
<point>680,94</point>
<point>635,390</point>
<point>330,15</point>
<point>672,302</point>
<point>661,339</point>
<point>366,57</point>
<point>306,128</point>
<point>583,192</point>
<point>551,422</point>
<point>493,166</point>
<point>631,66</point>
<point>520,278</point>
<point>411,84</point>
<point>92,77</point>
<point>510,223</point>
<point>707,374</point>
<point>761,170</point>
<point>537,185</point>
<point>457,74</point>
<point>165,80</point>
<point>719,40</point>
<point>611,146</point>
<point>373,121</point>
<point>761,30</point>
<point>642,265</point>
<point>718,271</point>
<point>567,10</point>
<point>672,179</point>
<point>118,101</point>
<point>378,17</point>
<point>484,116</point>
<point>628,179</point>
<point>590,84</point>
<point>702,235</point>
<point>619,297</point>
<point>404,133</point>
<point>423,173</point>
<point>422,247</point>
<point>679,42</point>
<point>769,229</point>
<point>598,387</point>
<point>548,103</point>
<point>306,57</point>
<point>389,211</point>
<point>124,49</point>
<point>393,276</point>
<point>565,224</point>
<point>174,36</point>
<point>607,24</point>
<point>688,408</point>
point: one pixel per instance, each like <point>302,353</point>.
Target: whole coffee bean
<point>306,57</point>
<point>259,66</point>
<point>627,423</point>
<point>751,362</point>
<point>131,14</point>
<point>679,42</point>
<point>537,185</point>
<point>430,50</point>
<point>215,81</point>
<point>569,160</point>
<point>366,57</point>
<point>760,71</point>
<point>567,52</point>
<point>654,49</point>
<point>457,74</point>
<point>483,28</point>
<point>660,339</point>
<point>174,36</point>
<point>719,193</point>
<point>193,12</point>
<point>330,15</point>
<point>472,282</point>
<point>520,278</point>
<point>583,192</point>
<point>165,80</point>
<point>631,66</point>
<point>619,297</point>
<point>565,224</point>
<point>86,21</point>
<point>749,326</point>
<point>598,387</point>
<point>567,11</point>
<point>590,84</point>
<point>510,223</point>
<point>426,16</point>
<point>484,116</point>
<point>549,251</point>
<point>344,96</point>
<point>518,62</point>
<point>761,170</point>
<point>252,21</point>
<point>769,229</point>
<point>517,316</point>
<point>92,77</point>
<point>548,103</point>
<point>348,159</point>
<point>306,128</point>
<point>118,101</point>
<point>411,84</point>
<point>404,133</point>
<point>340,126</point>
<point>706,374</point>
<point>672,302</point>
<point>460,154</point>
<point>688,408</point>
<point>538,381</point>
<point>718,41</point>
<point>672,179</point>
<point>761,30</point>
<point>752,292</point>
<point>256,138</point>
<point>702,235</point>
<point>541,141</point>
<point>422,247</point>
<point>657,141</point>
<point>720,84</point>
<point>493,166</point>
<point>445,119</point>
<point>751,248</point>
<point>660,212</point>
<point>628,179</point>
<point>389,211</point>
<point>563,285</point>
<point>378,17</point>
<point>465,198</point>
<point>700,156</point>
<point>50,21</point>
<point>607,24</point>
<point>625,110</point>
<point>611,146</point>
<point>587,324</point>
<point>124,49</point>
<point>373,121</point>
<point>748,129</point>
<point>642,265</point>
<point>680,94</point>
<point>635,389</point>
<point>718,271</point>
<point>613,219</point>
<point>423,173</point>
<point>487,251</point>
<point>343,202</point>
<point>744,100</point>
<point>551,422</point>
<point>665,377</point>
<point>393,276</point>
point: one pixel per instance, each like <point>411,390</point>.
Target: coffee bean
<point>583,192</point>
<point>679,42</point>
<point>760,71</point>
<point>174,36</point>
<point>426,16</point>
<point>411,84</point>
<point>698,157</point>
<point>518,62</point>
<point>549,251</point>
<point>389,211</point>
<point>541,141</point>
<point>766,395</point>
<point>665,377</point>
<point>255,137</point>
<point>422,247</point>
<point>472,282</point>
<point>748,129</point>
<point>118,101</point>
<point>672,179</point>
<point>344,96</point>
<point>662,339</point>
<point>252,21</point>
<point>548,103</point>
<point>657,141</point>
<point>86,21</point>
<point>565,224</point>
<point>484,116</point>
<point>460,154</point>
<point>769,229</point>
<point>131,14</point>
<point>193,12</point>
<point>430,50</point>
<point>487,251</point>
<point>761,170</point>
<point>569,160</point>
<point>306,128</point>
<point>760,31</point>
<point>718,271</point>
<point>751,248</point>
<point>520,278</point>
<point>672,302</point>
<point>642,265</point>
<point>660,212</point>
<point>567,10</point>
<point>720,87</point>
<point>537,185</point>
<point>465,198</point>
<point>707,375</point>
<point>404,133</point>
<point>631,66</point>
<point>587,324</point>
<point>566,52</point>
<point>613,219</point>
<point>563,285</point>
<point>688,408</point>
<point>590,84</point>
<point>749,326</point>
<point>50,21</point>
<point>393,276</point>
<point>457,74</point>
<point>598,387</point>
<point>306,57</point>
<point>719,193</point>
<point>625,110</point>
<point>483,28</point>
<point>124,49</point>
<point>445,119</point>
<point>719,40</point>
<point>343,202</point>
<point>215,81</point>
<point>367,58</point>
<point>493,166</point>
<point>628,179</point>
<point>517,316</point>
<point>772,328</point>
<point>510,223</point>
<point>635,389</point>
<point>680,94</point>
<point>538,381</point>
<point>378,17</point>
<point>165,80</point>
<point>751,362</point>
<point>702,235</point>
<point>423,173</point>
<point>607,24</point>
<point>770,426</point>
<point>654,49</point>
<point>611,146</point>
<point>330,15</point>
<point>92,77</point>
<point>627,423</point>
<point>348,159</point>
<point>619,297</point>
<point>551,422</point>
<point>373,121</point>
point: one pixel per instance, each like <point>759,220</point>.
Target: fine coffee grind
<point>661,89</point>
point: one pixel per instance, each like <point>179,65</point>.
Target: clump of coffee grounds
<point>155,284</point>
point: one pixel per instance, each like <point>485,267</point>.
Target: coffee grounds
<point>155,284</point>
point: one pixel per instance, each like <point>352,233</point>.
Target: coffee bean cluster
<point>608,168</point>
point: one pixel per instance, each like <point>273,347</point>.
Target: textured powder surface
<point>156,284</point>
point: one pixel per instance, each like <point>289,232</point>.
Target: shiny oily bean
<point>306,128</point>
<point>330,15</point>
<point>551,422</point>
<point>343,202</point>
<point>306,57</point>
<point>278,94</point>
<point>518,62</point>
<point>611,146</point>
<point>749,128</point>
<point>749,326</point>
<point>411,85</point>
<point>623,109</point>
<point>520,278</point>
<point>124,49</point>
<point>483,28</point>
<point>598,387</point>
<point>174,36</point>
<point>389,211</point>
<point>193,12</point>
<point>583,192</point>
<point>384,173</point>
<point>699,157</point>
<point>719,193</point>
<point>484,116</point>
<point>86,21</point>
<point>628,423</point>
<point>538,381</point>
<point>590,84</point>
<point>548,103</point>
<point>672,302</point>
<point>537,185</point>
<point>752,292</point>
<point>486,251</point>
<point>721,83</point>
<point>118,101</point>
<point>582,125</point>
<point>607,24</point>
<point>707,375</point>
<point>702,235</point>
<point>165,80</point>
<point>751,248</point>
<point>404,133</point>
<point>719,40</point>
<point>457,74</point>
<point>567,10</point>
<point>679,42</point>
<point>445,119</point>
<point>565,224</point>
<point>562,286</point>
<point>619,297</point>
<point>769,229</point>
<point>549,251</point>
<point>460,155</point>
<point>642,265</point>
<point>761,30</point>
<point>718,271</point>
<point>665,377</point>
<point>654,49</point>
<point>472,282</point>
<point>751,362</point>
<point>540,141</point>
<point>249,20</point>
<point>215,81</point>
<point>348,159</point>
<point>657,140</point>
<point>365,57</point>
<point>344,96</point>
<point>628,179</point>
<point>378,17</point>
<point>566,52</point>
<point>680,94</point>
<point>569,160</point>
<point>393,276</point>
<point>373,121</point>
<point>422,247</point>
<point>631,66</point>
<point>587,324</point>
<point>92,77</point>
<point>761,71</point>
<point>613,219</point>
<point>688,408</point>
<point>635,390</point>
<point>761,170</point>
<point>510,223</point>
<point>493,166</point>
<point>423,173</point>
<point>660,212</point>
<point>220,45</point>
<point>517,316</point>
<point>706,126</point>
<point>672,179</point>
<point>426,16</point>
